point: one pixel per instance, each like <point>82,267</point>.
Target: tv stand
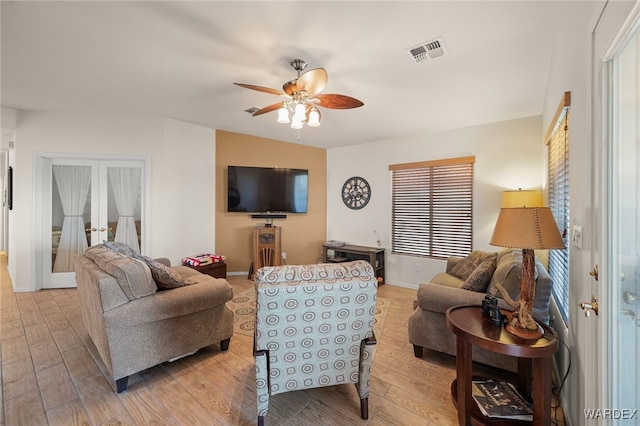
<point>348,252</point>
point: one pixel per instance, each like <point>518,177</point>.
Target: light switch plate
<point>576,237</point>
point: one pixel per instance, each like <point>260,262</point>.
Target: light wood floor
<point>49,377</point>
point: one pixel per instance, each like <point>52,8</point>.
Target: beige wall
<point>302,234</point>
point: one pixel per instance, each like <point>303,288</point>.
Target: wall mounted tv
<point>267,189</point>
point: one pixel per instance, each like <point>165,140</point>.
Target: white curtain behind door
<point>126,190</point>
<point>73,185</point>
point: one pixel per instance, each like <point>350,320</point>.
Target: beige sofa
<point>427,323</point>
<point>134,325</point>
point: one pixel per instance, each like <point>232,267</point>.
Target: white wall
<point>182,177</point>
<point>509,155</point>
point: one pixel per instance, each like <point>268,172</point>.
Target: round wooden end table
<point>534,362</point>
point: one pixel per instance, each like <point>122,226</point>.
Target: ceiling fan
<point>302,97</point>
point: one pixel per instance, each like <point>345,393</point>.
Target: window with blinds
<point>558,159</point>
<point>432,208</point>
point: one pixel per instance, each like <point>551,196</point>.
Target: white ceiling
<point>179,59</point>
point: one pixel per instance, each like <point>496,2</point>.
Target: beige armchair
<point>314,328</point>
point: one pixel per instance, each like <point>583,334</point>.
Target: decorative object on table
<point>203,259</point>
<point>356,193</point>
<point>527,228</point>
<point>491,310</point>
<point>378,239</point>
<point>302,97</point>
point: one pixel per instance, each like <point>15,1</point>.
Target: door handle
<point>594,272</point>
<point>587,307</point>
<point>94,229</point>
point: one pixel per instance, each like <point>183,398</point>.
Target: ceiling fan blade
<point>313,81</point>
<point>261,89</point>
<point>267,109</point>
<point>338,101</point>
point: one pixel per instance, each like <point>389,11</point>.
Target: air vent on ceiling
<point>428,50</point>
<point>252,110</point>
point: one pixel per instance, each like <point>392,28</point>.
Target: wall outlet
<point>417,267</point>
<point>284,255</point>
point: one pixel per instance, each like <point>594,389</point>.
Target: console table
<point>471,328</point>
<point>348,253</point>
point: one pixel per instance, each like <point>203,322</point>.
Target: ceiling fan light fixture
<point>299,112</point>
<point>283,114</point>
<point>314,117</point>
<point>296,123</point>
<point>303,101</point>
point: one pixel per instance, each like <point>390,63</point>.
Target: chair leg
<point>121,384</point>
<point>224,344</point>
<point>364,408</point>
<point>260,420</point>
<point>417,351</point>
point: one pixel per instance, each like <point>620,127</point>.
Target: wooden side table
<point>471,328</point>
<point>216,269</point>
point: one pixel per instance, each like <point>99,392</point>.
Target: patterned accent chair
<point>314,328</point>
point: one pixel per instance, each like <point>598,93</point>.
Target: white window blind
<point>432,208</point>
<point>558,159</point>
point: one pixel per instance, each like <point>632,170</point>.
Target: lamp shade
<point>520,198</point>
<point>527,228</point>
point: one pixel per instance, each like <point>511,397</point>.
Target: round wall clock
<point>356,193</point>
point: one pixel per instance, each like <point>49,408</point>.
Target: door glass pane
<point>124,205</point>
<point>71,213</point>
<point>625,225</point>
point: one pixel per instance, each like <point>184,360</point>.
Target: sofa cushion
<point>118,247</point>
<point>467,265</point>
<point>479,279</point>
<point>448,280</point>
<point>165,277</point>
<point>132,275</point>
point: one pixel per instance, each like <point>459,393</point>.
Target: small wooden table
<point>216,269</point>
<point>471,328</point>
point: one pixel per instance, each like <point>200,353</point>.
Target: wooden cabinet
<point>267,249</point>
<point>348,253</point>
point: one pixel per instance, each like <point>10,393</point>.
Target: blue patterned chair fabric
<point>314,328</point>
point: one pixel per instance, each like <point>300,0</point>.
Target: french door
<point>622,225</point>
<point>86,202</point>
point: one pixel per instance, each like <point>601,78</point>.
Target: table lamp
<point>527,228</point>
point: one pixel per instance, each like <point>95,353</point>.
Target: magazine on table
<point>500,399</point>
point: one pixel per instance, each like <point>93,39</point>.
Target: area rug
<point>244,308</point>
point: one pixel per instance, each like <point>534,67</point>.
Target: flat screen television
<point>267,189</point>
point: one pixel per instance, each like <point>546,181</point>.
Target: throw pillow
<point>479,279</point>
<point>467,265</point>
<point>121,248</point>
<point>165,277</point>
